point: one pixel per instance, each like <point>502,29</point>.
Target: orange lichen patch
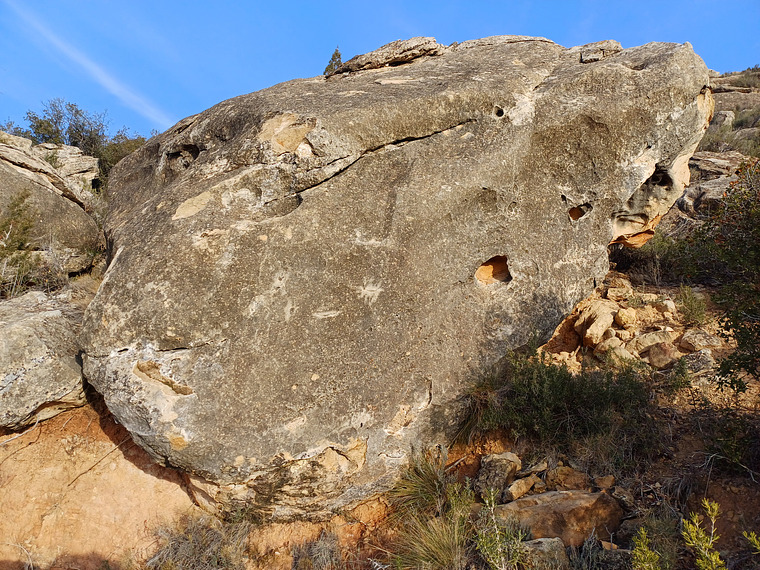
<point>494,270</point>
<point>177,442</point>
<point>639,238</point>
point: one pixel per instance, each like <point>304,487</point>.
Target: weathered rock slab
<point>569,515</point>
<point>79,493</point>
<point>53,203</point>
<point>305,280</point>
<point>39,372</point>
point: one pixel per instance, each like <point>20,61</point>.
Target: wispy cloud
<point>129,97</point>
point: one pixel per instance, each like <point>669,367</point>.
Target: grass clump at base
<point>436,527</point>
<point>200,543</point>
<point>434,516</point>
<point>321,554</point>
<point>555,409</point>
<point>692,306</point>
<point>441,542</point>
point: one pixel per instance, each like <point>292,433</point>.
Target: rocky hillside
<point>309,286</point>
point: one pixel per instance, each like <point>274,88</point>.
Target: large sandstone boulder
<point>305,280</point>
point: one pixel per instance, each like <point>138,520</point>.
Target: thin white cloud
<point>125,94</point>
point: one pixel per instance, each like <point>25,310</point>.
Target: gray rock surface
<point>305,280</point>
<point>77,169</point>
<point>696,339</point>
<point>55,204</point>
<point>39,372</point>
<point>546,553</point>
<point>496,473</point>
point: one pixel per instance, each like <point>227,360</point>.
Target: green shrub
<point>753,540</point>
<point>21,268</point>
<point>61,122</point>
<point>499,542</point>
<point>643,557</point>
<point>693,307</point>
<point>17,265</point>
<point>746,118</point>
<point>731,435</point>
<point>702,542</point>
<point>731,253</point>
<point>52,159</point>
<point>658,540</point>
<point>554,408</point>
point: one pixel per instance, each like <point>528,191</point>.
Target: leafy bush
<point>731,435</point>
<point>725,138</point>
<point>20,267</point>
<point>499,542</point>
<point>702,542</point>
<point>729,251</point>
<point>554,408</point>
<point>61,122</point>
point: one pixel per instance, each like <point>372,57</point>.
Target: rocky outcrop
<point>53,201</point>
<point>76,168</point>
<point>304,280</point>
<point>39,372</point>
<point>569,515</point>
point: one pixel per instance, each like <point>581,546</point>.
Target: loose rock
<point>39,373</point>
<point>570,515</point>
<point>695,339</point>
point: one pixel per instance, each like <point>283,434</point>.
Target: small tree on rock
<point>335,63</point>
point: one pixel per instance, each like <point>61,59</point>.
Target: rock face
<point>82,493</point>
<point>39,372</point>
<point>305,279</point>
<point>55,201</point>
<point>77,169</point>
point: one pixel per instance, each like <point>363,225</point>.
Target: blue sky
<point>151,63</point>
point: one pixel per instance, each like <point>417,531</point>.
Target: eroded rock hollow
<point>304,280</point>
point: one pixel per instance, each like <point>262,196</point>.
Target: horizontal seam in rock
<point>367,152</point>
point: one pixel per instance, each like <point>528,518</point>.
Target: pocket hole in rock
<point>498,111</point>
<point>577,212</point>
<point>495,270</point>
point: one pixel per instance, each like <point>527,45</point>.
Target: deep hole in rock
<point>495,270</point>
<point>498,111</point>
<point>660,177</point>
<point>577,212</point>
